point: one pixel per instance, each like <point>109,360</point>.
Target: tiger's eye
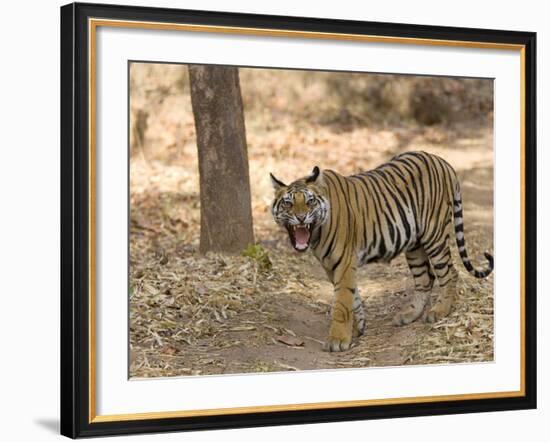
<point>312,202</point>
<point>287,204</point>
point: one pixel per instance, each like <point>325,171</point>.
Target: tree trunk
<point>226,213</point>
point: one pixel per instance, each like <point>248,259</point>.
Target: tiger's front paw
<point>336,345</point>
<point>339,338</point>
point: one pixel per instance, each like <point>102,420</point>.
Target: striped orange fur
<point>406,205</point>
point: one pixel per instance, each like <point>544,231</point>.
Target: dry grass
<point>193,314</point>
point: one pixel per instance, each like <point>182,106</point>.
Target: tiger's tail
<point>459,234</point>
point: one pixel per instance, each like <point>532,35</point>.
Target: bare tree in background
<point>226,213</point>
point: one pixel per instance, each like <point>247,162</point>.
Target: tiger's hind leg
<point>440,257</point>
<point>359,320</point>
<point>424,278</point>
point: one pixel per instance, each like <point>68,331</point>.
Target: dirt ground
<point>270,310</point>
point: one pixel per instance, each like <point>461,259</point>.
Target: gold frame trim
<point>93,24</point>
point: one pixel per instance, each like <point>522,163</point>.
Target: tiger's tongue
<point>301,236</point>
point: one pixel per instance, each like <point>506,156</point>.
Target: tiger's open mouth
<point>300,235</point>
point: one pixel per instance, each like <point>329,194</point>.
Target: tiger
<point>405,205</point>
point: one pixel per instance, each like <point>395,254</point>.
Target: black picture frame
<point>75,220</point>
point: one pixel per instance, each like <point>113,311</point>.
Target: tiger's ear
<point>276,183</point>
<point>315,176</point>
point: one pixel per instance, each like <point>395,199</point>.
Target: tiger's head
<point>301,207</point>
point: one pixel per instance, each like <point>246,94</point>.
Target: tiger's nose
<point>301,218</point>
